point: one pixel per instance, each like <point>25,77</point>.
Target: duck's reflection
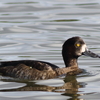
<point>70,86</point>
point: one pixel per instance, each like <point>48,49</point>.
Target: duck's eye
<point>77,45</point>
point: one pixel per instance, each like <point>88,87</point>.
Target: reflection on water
<point>70,85</point>
<point>69,88</point>
<point>36,30</point>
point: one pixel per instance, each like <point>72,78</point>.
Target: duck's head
<point>73,48</point>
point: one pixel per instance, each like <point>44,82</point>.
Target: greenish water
<point>36,30</point>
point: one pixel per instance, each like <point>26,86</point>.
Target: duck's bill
<point>90,54</point>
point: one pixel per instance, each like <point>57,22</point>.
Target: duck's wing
<point>22,71</point>
<point>28,69</point>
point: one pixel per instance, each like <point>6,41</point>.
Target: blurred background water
<point>36,29</point>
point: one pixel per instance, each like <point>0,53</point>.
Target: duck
<point>72,49</point>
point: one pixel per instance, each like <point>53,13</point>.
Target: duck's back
<point>39,65</point>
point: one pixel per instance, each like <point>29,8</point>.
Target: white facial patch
<point>84,47</point>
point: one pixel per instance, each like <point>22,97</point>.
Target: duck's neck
<point>69,60</point>
<point>72,62</point>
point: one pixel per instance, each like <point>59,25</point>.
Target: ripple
<point>50,82</point>
<point>64,20</point>
<point>89,76</point>
<point>32,95</point>
<point>21,2</point>
<point>10,85</point>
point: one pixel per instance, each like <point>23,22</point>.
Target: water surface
<point>36,30</point>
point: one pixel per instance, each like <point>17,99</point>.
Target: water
<point>36,30</point>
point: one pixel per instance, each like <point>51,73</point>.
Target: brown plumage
<point>37,70</point>
<point>23,71</point>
